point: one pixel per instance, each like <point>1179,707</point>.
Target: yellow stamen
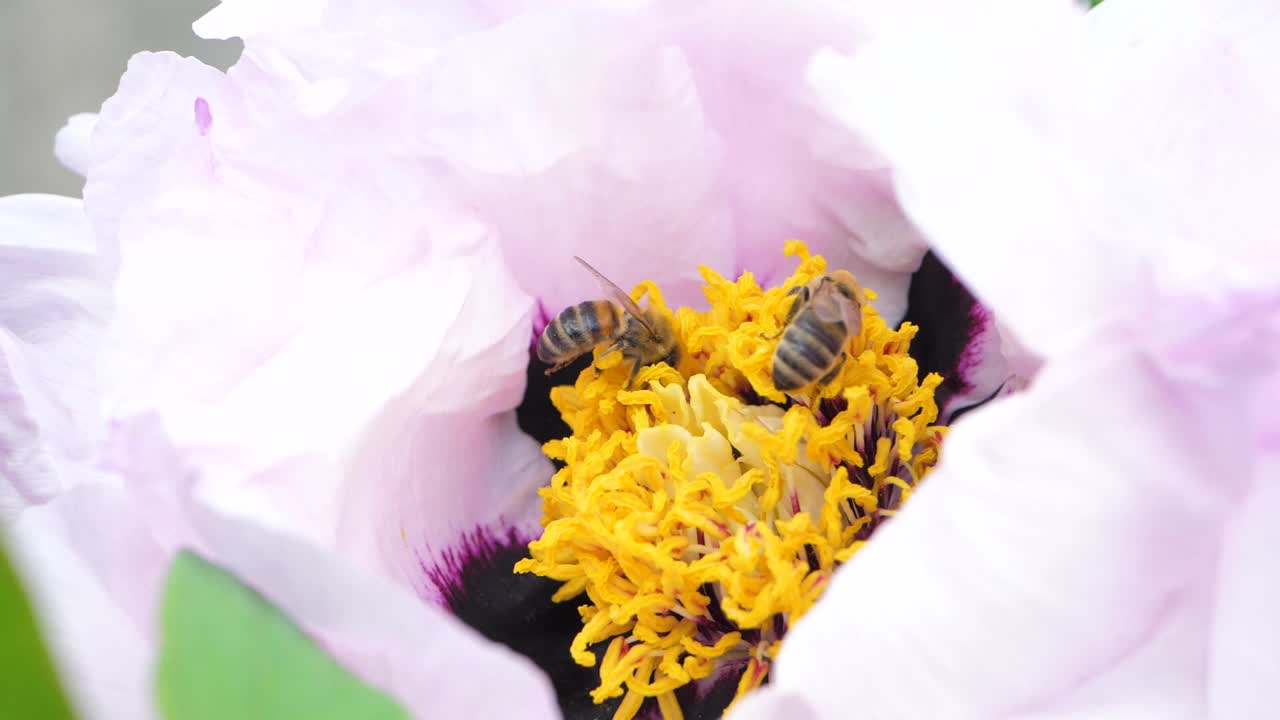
<point>703,511</point>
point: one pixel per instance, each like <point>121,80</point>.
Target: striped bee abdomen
<point>808,350</point>
<point>578,329</point>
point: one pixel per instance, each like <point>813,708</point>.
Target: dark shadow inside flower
<point>477,585</point>
<point>954,327</point>
<point>536,415</point>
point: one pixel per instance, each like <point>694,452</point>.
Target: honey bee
<point>825,314</point>
<point>644,337</point>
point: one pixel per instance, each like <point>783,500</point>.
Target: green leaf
<point>30,687</point>
<point>228,653</point>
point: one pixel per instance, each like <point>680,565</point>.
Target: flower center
<point>703,511</point>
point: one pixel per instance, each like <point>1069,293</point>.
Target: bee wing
<point>616,294</point>
<point>831,305</point>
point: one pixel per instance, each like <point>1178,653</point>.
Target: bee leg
<point>562,364</point>
<point>608,351</point>
<point>635,370</point>
<point>800,399</point>
<point>803,292</point>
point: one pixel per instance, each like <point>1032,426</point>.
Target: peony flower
<point>327,276</point>
<point>332,259</point>
<point>1090,547</point>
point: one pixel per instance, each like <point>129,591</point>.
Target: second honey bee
<point>644,337</point>
<point>825,314</point>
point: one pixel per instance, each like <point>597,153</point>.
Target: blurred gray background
<point>61,57</point>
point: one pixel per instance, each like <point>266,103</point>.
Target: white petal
<point>92,571</point>
<point>1067,530</point>
<point>1244,675</point>
<point>52,308</point>
<point>425,657</point>
<point>72,145</point>
<point>1065,145</point>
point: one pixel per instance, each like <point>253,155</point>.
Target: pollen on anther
<point>702,511</point>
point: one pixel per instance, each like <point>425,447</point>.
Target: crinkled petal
<point>329,56</point>
<point>648,156</point>
<point>359,295</point>
<point>53,306</point>
<point>72,144</point>
<point>364,397</point>
<point>581,132</point>
<point>791,172</point>
<point>1071,144</point>
<point>1244,661</point>
<point>608,131</point>
<point>245,18</point>
<point>1048,551</point>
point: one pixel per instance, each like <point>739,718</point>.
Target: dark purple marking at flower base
<point>476,583</point>
<point>707,699</point>
<point>952,323</point>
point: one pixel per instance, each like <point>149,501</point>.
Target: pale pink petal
<point>425,657</point>
<point>321,395</point>
<point>53,305</point>
<point>1022,363</point>
<point>328,57</point>
<point>1245,657</point>
<point>245,18</point>
<point>96,558</point>
<point>773,704</point>
<point>1068,530</point>
<point>790,172</point>
<point>92,573</point>
<point>1269,432</point>
<point>581,132</point>
<point>1084,174</point>
<point>443,460</point>
<point>1162,679</point>
<point>424,486</point>
<point>309,301</point>
<point>613,132</point>
<point>621,128</point>
<point>1070,145</point>
<point>156,96</point>
<point>72,144</point>
<point>939,121</point>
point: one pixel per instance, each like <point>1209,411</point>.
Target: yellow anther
<point>702,510</point>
